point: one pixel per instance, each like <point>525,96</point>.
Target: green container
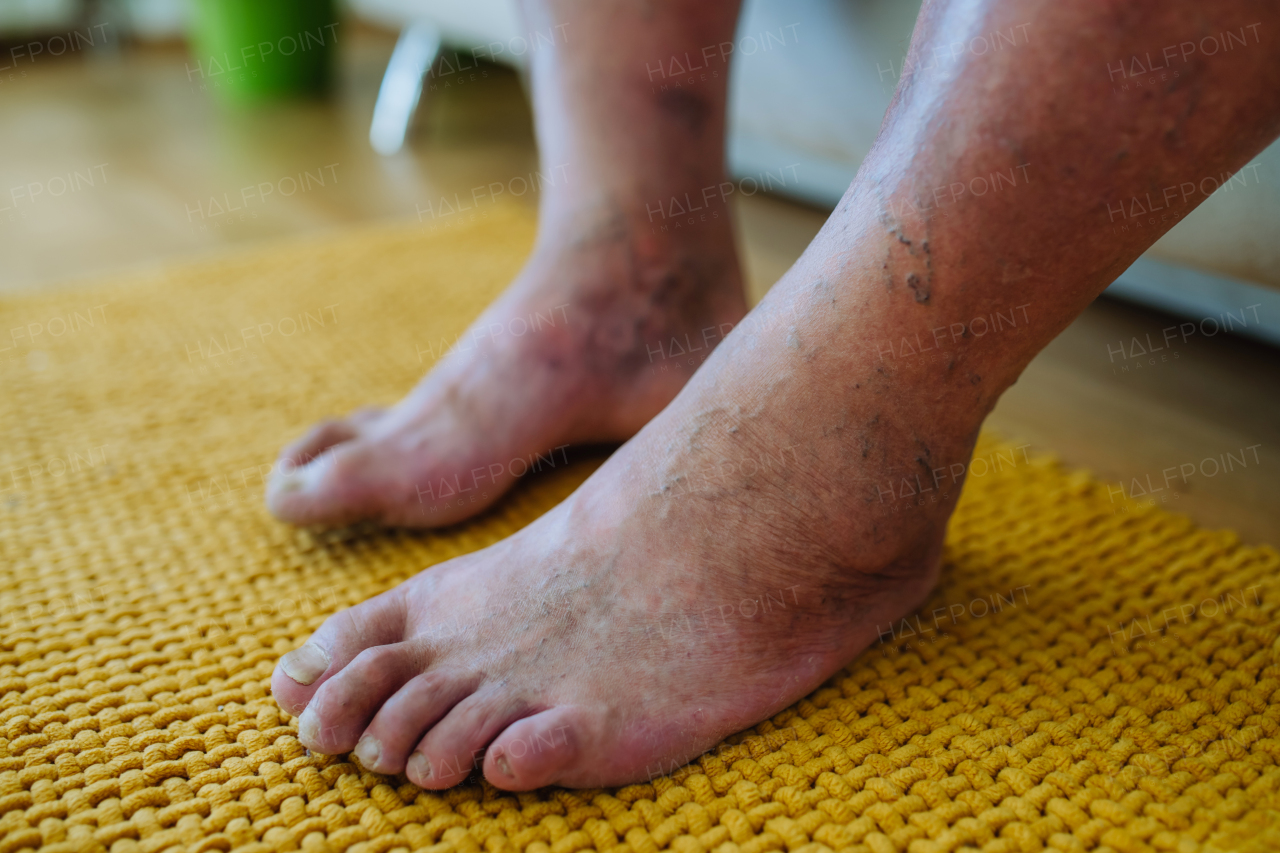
<point>253,50</point>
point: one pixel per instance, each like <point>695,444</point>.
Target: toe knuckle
<point>345,466</point>
<point>327,705</point>
<point>378,657</point>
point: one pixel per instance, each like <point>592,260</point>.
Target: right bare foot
<point>605,312</point>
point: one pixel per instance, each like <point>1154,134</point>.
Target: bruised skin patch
<point>686,108</point>
<point>908,259</point>
<point>919,289</point>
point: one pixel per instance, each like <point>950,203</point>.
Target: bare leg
<point>677,524</point>
<point>616,289</point>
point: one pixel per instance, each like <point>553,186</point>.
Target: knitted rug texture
<point>1090,674</point>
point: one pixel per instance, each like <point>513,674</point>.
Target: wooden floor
<point>158,150</point>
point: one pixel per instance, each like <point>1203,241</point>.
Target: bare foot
<point>625,277</point>
<point>578,350</point>
<point>721,565</point>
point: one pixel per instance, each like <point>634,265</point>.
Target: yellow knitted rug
<point>1088,676</point>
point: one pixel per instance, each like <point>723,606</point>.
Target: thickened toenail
<point>293,481</point>
<point>306,664</point>
<point>309,729</point>
<point>297,479</point>
<point>419,767</point>
<point>369,750</point>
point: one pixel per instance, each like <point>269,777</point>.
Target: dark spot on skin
<point>686,108</point>
<point>951,363</point>
<point>974,378</point>
<point>926,459</point>
<point>919,289</point>
<point>667,290</point>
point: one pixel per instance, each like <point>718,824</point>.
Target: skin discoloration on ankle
<point>919,289</point>
<point>690,110</point>
<point>652,292</point>
<point>906,257</point>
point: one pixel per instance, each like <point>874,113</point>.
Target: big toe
<point>344,484</point>
<point>299,487</point>
<point>301,673</point>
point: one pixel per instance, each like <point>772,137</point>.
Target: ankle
<point>669,215</point>
<point>608,253</point>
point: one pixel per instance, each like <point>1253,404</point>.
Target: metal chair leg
<point>415,52</point>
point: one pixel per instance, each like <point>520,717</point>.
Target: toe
<point>365,416</point>
<point>380,621</point>
<point>339,487</point>
<point>534,751</point>
<point>455,746</point>
<point>318,439</point>
<point>404,718</point>
<point>343,706</point>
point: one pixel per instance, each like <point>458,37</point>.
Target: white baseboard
<point>1254,310</point>
<point>1245,309</point>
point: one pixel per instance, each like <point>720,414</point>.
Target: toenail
<point>419,767</point>
<point>295,479</point>
<point>306,664</point>
<point>369,750</point>
<point>503,765</point>
<point>309,729</point>
<point>291,481</point>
